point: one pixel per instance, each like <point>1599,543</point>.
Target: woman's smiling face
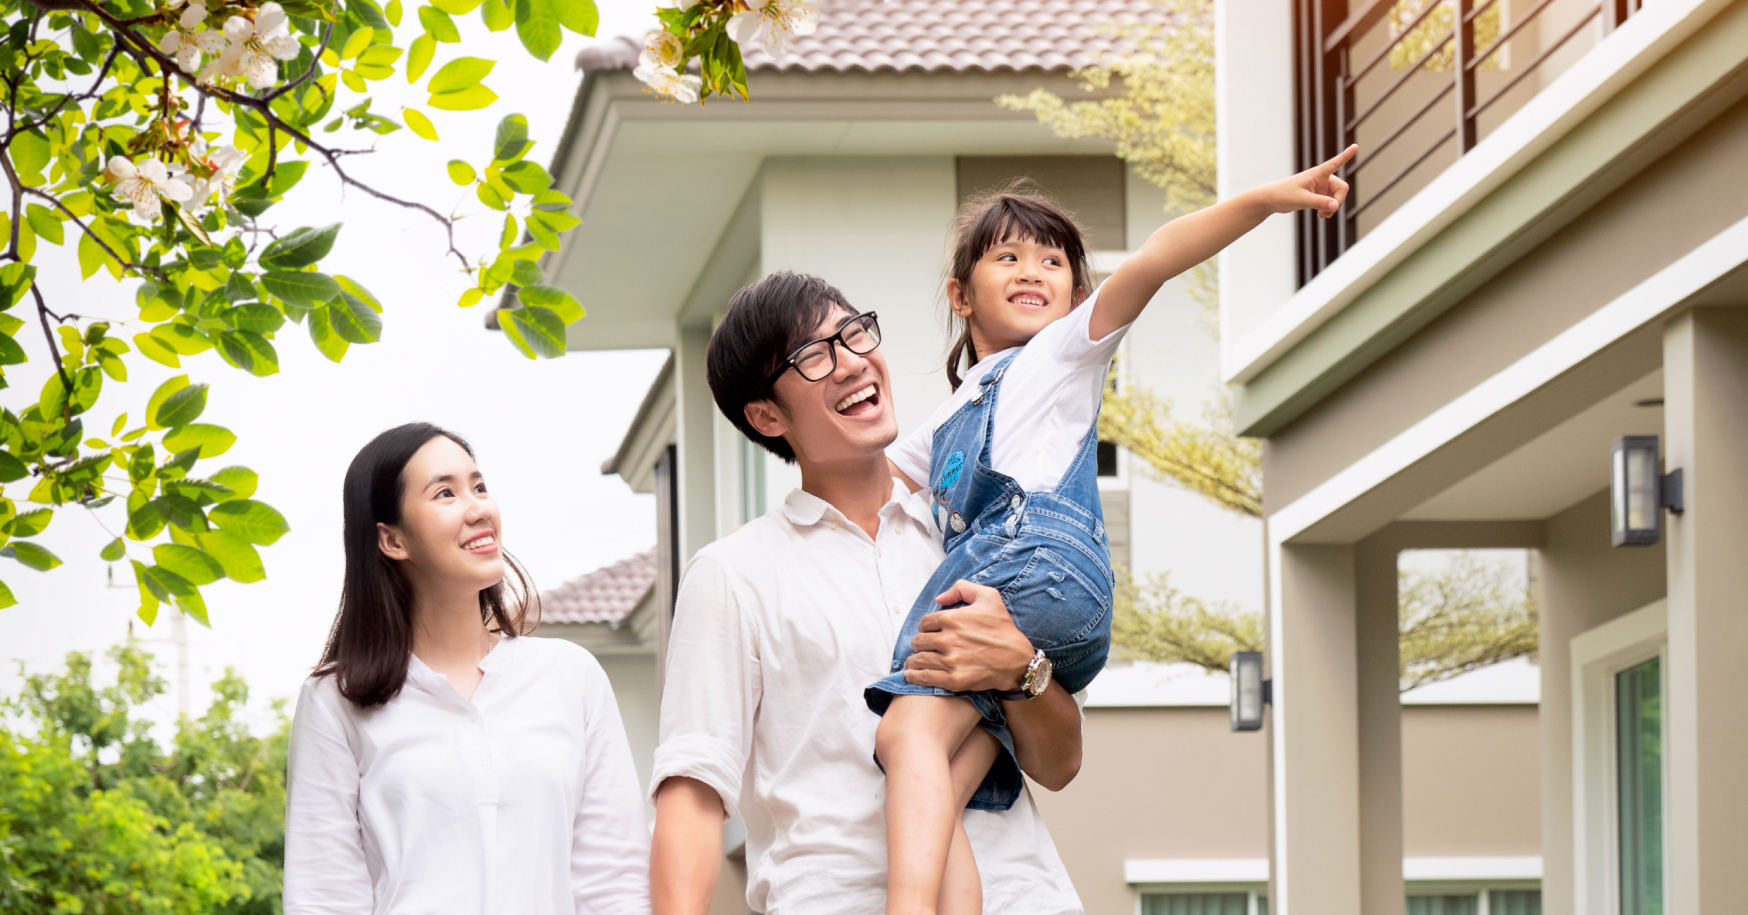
<point>448,535</point>
<point>1017,288</point>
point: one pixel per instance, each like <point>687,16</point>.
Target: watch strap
<point>1022,694</point>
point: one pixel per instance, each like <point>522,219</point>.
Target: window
<point>1514,902</point>
<point>1091,187</point>
<point>1477,902</point>
<point>752,480</point>
<point>1639,780</point>
<point>1442,905</point>
<point>1200,904</point>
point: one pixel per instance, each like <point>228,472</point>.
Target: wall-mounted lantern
<point>1639,491</point>
<point>1250,692</point>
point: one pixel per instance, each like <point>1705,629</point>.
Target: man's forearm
<point>1047,736</point>
<point>685,853</point>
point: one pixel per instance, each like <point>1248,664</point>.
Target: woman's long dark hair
<point>371,643</point>
<point>1018,209</point>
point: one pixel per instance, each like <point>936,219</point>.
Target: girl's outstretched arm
<point>1188,240</point>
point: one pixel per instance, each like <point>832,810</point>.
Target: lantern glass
<point>1636,497</point>
<point>1247,698</point>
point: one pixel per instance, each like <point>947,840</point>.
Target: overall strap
<point>988,387</point>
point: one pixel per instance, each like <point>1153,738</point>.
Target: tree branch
<point>42,316</point>
<point>74,219</point>
<point>307,73</point>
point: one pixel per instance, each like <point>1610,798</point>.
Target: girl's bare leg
<point>961,888</point>
<point>916,742</point>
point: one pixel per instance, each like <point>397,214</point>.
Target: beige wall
<point>1676,203</point>
<point>1178,783</point>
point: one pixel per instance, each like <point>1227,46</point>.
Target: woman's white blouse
<point>523,801</point>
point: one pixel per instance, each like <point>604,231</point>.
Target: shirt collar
<point>804,509</point>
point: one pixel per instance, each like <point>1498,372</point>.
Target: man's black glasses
<point>817,360</point>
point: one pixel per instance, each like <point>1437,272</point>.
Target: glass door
<point>1639,769</point>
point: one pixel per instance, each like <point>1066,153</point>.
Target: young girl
<point>1010,463</point>
<point>440,761</point>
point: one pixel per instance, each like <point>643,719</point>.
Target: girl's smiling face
<point>1018,287</point>
<point>448,534</point>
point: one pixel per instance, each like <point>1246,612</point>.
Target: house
<point>1544,252</point>
<point>849,163</point>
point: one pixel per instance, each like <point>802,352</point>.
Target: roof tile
<point>606,595</point>
<point>921,35</point>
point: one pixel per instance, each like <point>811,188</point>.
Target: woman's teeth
<point>855,398</point>
<point>480,544</point>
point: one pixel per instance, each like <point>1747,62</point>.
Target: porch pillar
<point>695,429</point>
<point>1378,645</point>
<point>1314,733</point>
<point>1705,365</point>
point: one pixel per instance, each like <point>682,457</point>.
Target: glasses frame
<point>835,340</point>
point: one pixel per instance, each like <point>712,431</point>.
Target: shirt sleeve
<point>325,873</point>
<point>610,838</point>
<point>1069,342</point>
<point>911,453</point>
<point>713,684</point>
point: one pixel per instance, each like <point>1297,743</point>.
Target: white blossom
<point>145,185</point>
<point>255,45</point>
<point>663,49</point>
<point>187,47</point>
<point>773,24</point>
<point>669,83</point>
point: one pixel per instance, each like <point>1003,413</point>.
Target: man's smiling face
<point>845,418</point>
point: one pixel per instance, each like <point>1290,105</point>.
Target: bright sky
<point>540,429</point>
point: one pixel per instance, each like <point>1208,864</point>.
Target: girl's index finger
<point>1330,167</point>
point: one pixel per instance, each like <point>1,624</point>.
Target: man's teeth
<point>481,543</point>
<point>855,398</point>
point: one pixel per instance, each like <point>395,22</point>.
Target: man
<point>779,626</point>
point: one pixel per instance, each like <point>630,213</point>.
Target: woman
<point>439,762</point>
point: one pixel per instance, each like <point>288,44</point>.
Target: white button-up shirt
<point>778,628</point>
<point>523,801</point>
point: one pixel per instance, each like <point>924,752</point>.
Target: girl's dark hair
<point>765,322</point>
<point>1016,210</point>
<point>371,643</point>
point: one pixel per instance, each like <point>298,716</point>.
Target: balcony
<point>1417,84</point>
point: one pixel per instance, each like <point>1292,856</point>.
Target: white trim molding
<point>1452,869</point>
<point>1196,870</point>
<point>1613,64</point>
<point>1597,655</point>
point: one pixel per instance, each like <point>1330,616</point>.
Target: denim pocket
<point>1053,597</point>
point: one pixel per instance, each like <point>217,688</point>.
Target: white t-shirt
<point>522,800</point>
<point>1047,402</point>
<point>778,627</point>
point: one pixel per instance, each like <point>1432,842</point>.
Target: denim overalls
<point>1045,552</point>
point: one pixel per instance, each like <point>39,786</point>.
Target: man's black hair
<point>765,323</point>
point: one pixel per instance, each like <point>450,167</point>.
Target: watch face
<point>1041,678</point>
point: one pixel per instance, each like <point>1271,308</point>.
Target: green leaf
<point>459,172</point>
<point>253,521</point>
<point>579,16</point>
<point>30,155</point>
<point>392,12</point>
<point>11,468</point>
<point>249,351</point>
<point>526,273</point>
<point>145,520</point>
<point>328,342</point>
<point>471,297</point>
<point>158,398</point>
<point>534,330</point>
<point>241,481</point>
<point>32,555</point>
<point>542,235</point>
<point>92,257</point>
<point>507,237</point>
<point>114,550</point>
<point>554,299</point>
<point>181,338</point>
<point>556,220</point>
<point>155,350</point>
<point>538,27</point>
<point>182,407</point>
<point>307,290</point>
<point>460,73</point>
<point>10,352</point>
<point>261,319</point>
<point>419,56</point>
<point>7,600</point>
<point>211,440</point>
<point>188,563</point>
<point>527,177</point>
<point>438,24</point>
<point>512,138</point>
<point>356,44</point>
<point>46,224</point>
<point>420,124</point>
<point>300,249</point>
<point>367,12</point>
<point>455,7</point>
<point>469,99</point>
<point>496,15</point>
<point>489,196</point>
<point>354,289</point>
<point>354,320</point>
<point>240,560</point>
<point>29,524</point>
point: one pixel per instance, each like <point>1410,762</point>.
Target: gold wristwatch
<point>1036,680</point>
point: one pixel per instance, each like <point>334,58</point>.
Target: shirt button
<point>482,760</point>
<point>473,718</point>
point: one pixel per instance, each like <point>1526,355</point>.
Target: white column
<point>1314,732</point>
<point>695,427</point>
<point>1705,366</point>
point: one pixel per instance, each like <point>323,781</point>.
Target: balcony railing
<point>1417,83</point>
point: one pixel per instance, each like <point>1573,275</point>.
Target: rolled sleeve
<point>713,686</point>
